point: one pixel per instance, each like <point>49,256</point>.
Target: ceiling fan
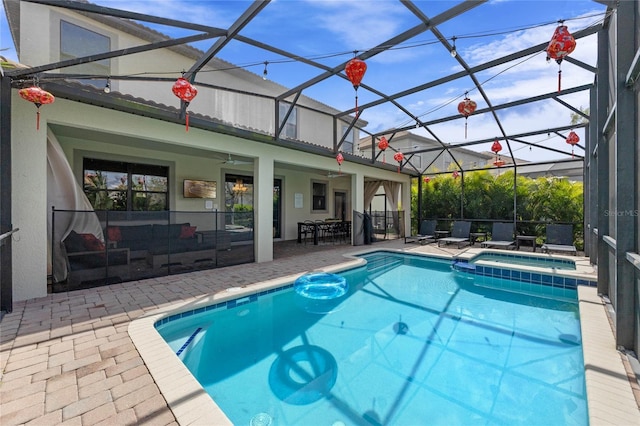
<point>334,175</point>
<point>235,162</point>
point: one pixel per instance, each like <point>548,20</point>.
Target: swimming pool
<point>401,347</point>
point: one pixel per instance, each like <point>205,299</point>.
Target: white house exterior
<point>430,156</point>
<point>132,123</point>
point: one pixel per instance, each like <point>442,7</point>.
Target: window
<point>238,192</point>
<point>290,130</point>
<point>319,195</point>
<point>115,185</point>
<point>347,144</point>
<point>238,200</point>
<point>76,42</point>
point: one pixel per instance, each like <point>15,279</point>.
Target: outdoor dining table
<point>315,226</point>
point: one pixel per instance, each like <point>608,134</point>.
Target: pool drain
<point>261,419</point>
<point>401,327</point>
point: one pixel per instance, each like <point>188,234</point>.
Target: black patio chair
<point>308,230</point>
<point>501,236</point>
<point>460,234</point>
<point>427,233</point>
<point>559,239</point>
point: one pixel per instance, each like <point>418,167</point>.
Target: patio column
<point>405,202</point>
<point>357,191</point>
<point>357,196</point>
<point>602,164</point>
<point>29,200</point>
<point>625,170</point>
<point>6,223</point>
<point>263,170</point>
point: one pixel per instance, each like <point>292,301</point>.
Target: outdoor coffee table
<point>473,237</point>
<point>531,238</point>
<point>441,234</point>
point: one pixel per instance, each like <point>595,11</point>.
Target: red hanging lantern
<point>455,174</point>
<point>426,179</point>
<point>39,97</point>
<point>382,146</point>
<point>185,91</point>
<point>561,45</point>
<point>398,156</point>
<point>466,108</point>
<point>496,148</point>
<point>339,159</point>
<point>572,139</point>
<point>355,70</point>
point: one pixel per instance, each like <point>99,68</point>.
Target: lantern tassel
<point>186,115</point>
<point>559,78</point>
<point>465,128</point>
<point>38,119</point>
<point>356,104</point>
<point>383,158</point>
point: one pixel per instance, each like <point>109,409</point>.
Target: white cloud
<point>358,25</point>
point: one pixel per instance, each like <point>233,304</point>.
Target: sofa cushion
<point>113,233</point>
<point>187,231</point>
<point>136,233</point>
<point>76,242</point>
<point>92,243</point>
<point>181,246</point>
<point>164,232</point>
<point>98,260</point>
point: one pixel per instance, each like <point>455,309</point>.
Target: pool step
<point>463,266</point>
<point>382,263</point>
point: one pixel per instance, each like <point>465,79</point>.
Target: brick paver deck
<point>67,359</point>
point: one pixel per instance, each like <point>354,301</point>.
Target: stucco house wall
<point>240,108</point>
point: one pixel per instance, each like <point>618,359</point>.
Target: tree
<point>489,197</point>
<point>577,118</point>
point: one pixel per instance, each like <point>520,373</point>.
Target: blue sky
<point>327,31</point>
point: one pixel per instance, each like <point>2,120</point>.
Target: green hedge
<point>490,197</point>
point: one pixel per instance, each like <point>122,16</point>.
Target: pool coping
<point>606,380</point>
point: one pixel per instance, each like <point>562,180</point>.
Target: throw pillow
<point>187,231</point>
<point>92,243</point>
<point>113,233</point>
<point>74,242</point>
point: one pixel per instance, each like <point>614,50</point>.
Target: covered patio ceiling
<point>438,20</point>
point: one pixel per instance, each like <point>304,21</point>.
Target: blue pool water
<point>525,260</point>
<point>412,342</point>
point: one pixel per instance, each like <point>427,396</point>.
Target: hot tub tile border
<point>548,280</point>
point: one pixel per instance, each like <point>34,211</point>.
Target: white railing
<point>7,235</point>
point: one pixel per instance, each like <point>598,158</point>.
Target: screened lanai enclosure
<point>447,113</point>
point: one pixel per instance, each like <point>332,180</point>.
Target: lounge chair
<point>559,239</point>
<point>459,234</point>
<point>427,233</point>
<point>501,236</point>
